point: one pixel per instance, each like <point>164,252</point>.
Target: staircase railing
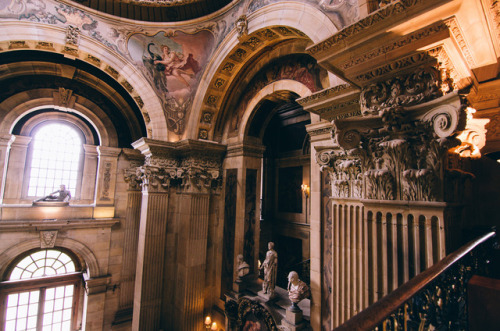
<point>436,297</point>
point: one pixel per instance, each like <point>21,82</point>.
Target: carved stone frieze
<point>401,42</point>
<point>387,13</point>
<point>322,94</point>
<point>385,97</point>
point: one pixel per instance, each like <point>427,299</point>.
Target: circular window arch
<point>42,292</point>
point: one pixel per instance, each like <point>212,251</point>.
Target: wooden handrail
<point>375,314</point>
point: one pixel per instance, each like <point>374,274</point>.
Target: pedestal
<point>239,287</point>
<point>293,320</point>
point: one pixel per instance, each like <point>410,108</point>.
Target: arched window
<point>41,293</point>
<point>55,160</point>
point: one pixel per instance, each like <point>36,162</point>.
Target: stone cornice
<point>245,149</point>
<point>389,15</point>
<point>319,129</point>
<point>324,94</point>
<point>336,103</point>
<point>56,224</point>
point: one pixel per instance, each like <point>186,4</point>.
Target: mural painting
<point>63,15</point>
<point>172,63</point>
<point>300,67</point>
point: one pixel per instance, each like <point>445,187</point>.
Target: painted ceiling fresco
<point>173,65</point>
<point>171,58</point>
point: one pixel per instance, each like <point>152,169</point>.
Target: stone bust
<point>297,289</point>
<point>243,267</point>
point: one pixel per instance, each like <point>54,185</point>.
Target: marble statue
<point>270,267</point>
<point>297,289</point>
<point>243,267</point>
<point>61,195</point>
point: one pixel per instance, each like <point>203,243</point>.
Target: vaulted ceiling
<point>156,10</point>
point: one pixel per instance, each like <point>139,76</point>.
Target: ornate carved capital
<point>190,164</point>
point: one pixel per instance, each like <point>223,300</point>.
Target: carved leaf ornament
<point>396,148</point>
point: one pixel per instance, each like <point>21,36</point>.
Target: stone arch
<point>35,121</point>
<point>85,254</point>
<point>282,85</point>
<point>18,106</point>
<point>305,21</point>
<point>52,39</point>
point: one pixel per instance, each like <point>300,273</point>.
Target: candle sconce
<point>306,190</point>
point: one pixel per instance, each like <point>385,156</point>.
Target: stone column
<point>5,142</point>
<point>131,234</point>
<point>200,171</point>
<point>149,281</point>
<point>89,174</point>
<point>15,169</point>
<point>247,157</point>
<point>94,303</point>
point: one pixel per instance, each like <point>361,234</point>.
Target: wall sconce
<point>208,322</point>
<point>306,189</point>
<point>214,327</point>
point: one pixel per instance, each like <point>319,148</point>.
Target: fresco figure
<point>156,70</point>
<point>174,65</point>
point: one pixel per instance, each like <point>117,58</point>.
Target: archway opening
<point>285,168</point>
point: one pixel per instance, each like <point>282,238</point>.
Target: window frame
<point>29,158</point>
<point>42,283</point>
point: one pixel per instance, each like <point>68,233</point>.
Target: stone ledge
<point>56,224</point>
